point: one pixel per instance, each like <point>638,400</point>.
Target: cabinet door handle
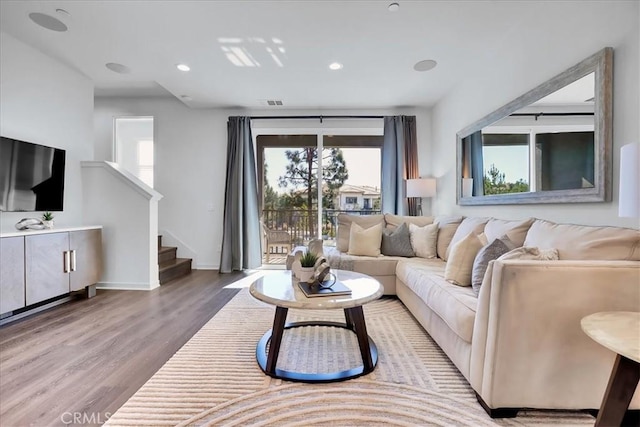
<point>67,262</point>
<point>73,260</point>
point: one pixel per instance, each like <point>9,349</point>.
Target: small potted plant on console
<point>47,219</point>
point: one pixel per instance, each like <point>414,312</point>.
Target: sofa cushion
<point>530,253</point>
<point>468,225</point>
<point>373,266</point>
<point>424,239</point>
<point>447,226</point>
<point>460,263</point>
<point>365,241</point>
<point>455,305</point>
<point>581,242</point>
<point>397,242</point>
<point>344,227</point>
<point>394,221</point>
<point>515,230</point>
<point>488,253</point>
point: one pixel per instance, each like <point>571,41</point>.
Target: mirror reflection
<point>548,146</point>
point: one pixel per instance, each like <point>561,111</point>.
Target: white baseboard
<point>128,286</point>
<point>206,267</point>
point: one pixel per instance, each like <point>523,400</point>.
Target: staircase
<point>169,266</point>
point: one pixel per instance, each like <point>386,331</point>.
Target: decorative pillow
<point>461,257</point>
<point>315,247</point>
<point>424,240</point>
<point>397,242</point>
<point>468,225</point>
<point>447,227</point>
<point>394,221</point>
<point>344,227</point>
<point>529,252</point>
<point>365,241</point>
<point>515,230</point>
<point>488,253</point>
<point>585,242</point>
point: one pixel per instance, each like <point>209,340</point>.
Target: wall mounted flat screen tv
<point>31,176</point>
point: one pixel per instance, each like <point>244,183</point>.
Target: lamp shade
<point>421,187</point>
<point>629,196</point>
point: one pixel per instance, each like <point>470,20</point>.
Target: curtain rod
<point>536,115</point>
<point>314,117</point>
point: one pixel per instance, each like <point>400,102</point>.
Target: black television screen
<point>31,177</point>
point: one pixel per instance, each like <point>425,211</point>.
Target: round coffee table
<point>281,290</point>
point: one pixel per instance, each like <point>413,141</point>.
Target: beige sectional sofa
<point>519,342</point>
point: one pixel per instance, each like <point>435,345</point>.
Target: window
<point>133,146</point>
<point>506,163</point>
<point>543,158</point>
<point>145,162</point>
<point>348,167</point>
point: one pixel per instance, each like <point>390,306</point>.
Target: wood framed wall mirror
<point>551,145</point>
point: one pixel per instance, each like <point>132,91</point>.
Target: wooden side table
<point>619,331</point>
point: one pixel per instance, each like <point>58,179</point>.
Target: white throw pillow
<point>460,262</point>
<point>468,225</point>
<point>424,240</point>
<point>365,241</point>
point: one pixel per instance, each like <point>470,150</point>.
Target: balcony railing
<point>302,224</point>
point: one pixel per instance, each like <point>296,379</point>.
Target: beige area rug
<point>214,378</point>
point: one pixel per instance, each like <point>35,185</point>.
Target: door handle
<point>67,262</point>
<point>73,260</point>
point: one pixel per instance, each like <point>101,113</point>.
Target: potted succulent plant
<point>308,262</point>
<point>47,219</point>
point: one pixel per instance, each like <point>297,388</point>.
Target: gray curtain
<point>399,163</point>
<point>477,164</point>
<point>241,233</point>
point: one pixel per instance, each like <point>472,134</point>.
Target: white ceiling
<point>378,48</point>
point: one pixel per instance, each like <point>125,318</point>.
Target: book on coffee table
<point>313,290</point>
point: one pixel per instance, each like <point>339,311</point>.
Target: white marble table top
<point>619,331</point>
<point>278,288</point>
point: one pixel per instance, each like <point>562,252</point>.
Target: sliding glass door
<point>307,180</point>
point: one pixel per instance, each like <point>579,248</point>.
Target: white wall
<point>128,211</point>
<point>190,167</point>
<point>45,102</point>
<point>569,34</point>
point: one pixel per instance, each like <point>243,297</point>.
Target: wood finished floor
<point>85,358</point>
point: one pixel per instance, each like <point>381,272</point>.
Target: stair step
<point>166,253</point>
<point>174,268</point>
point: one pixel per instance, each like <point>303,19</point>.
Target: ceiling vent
<point>273,103</point>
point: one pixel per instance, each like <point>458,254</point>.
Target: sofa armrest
<point>527,343</point>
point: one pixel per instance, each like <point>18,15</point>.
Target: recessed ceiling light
<point>48,22</point>
<point>118,68</point>
<point>63,12</point>
<point>335,66</point>
<point>425,65</point>
<point>393,7</point>
<point>183,67</point>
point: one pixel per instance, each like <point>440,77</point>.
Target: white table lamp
<point>421,187</point>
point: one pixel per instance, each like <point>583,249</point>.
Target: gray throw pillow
<point>397,242</point>
<point>488,253</point>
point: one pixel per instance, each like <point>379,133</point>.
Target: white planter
<point>47,224</point>
<point>306,274</point>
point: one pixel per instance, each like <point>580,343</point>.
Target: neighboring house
<point>355,197</point>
